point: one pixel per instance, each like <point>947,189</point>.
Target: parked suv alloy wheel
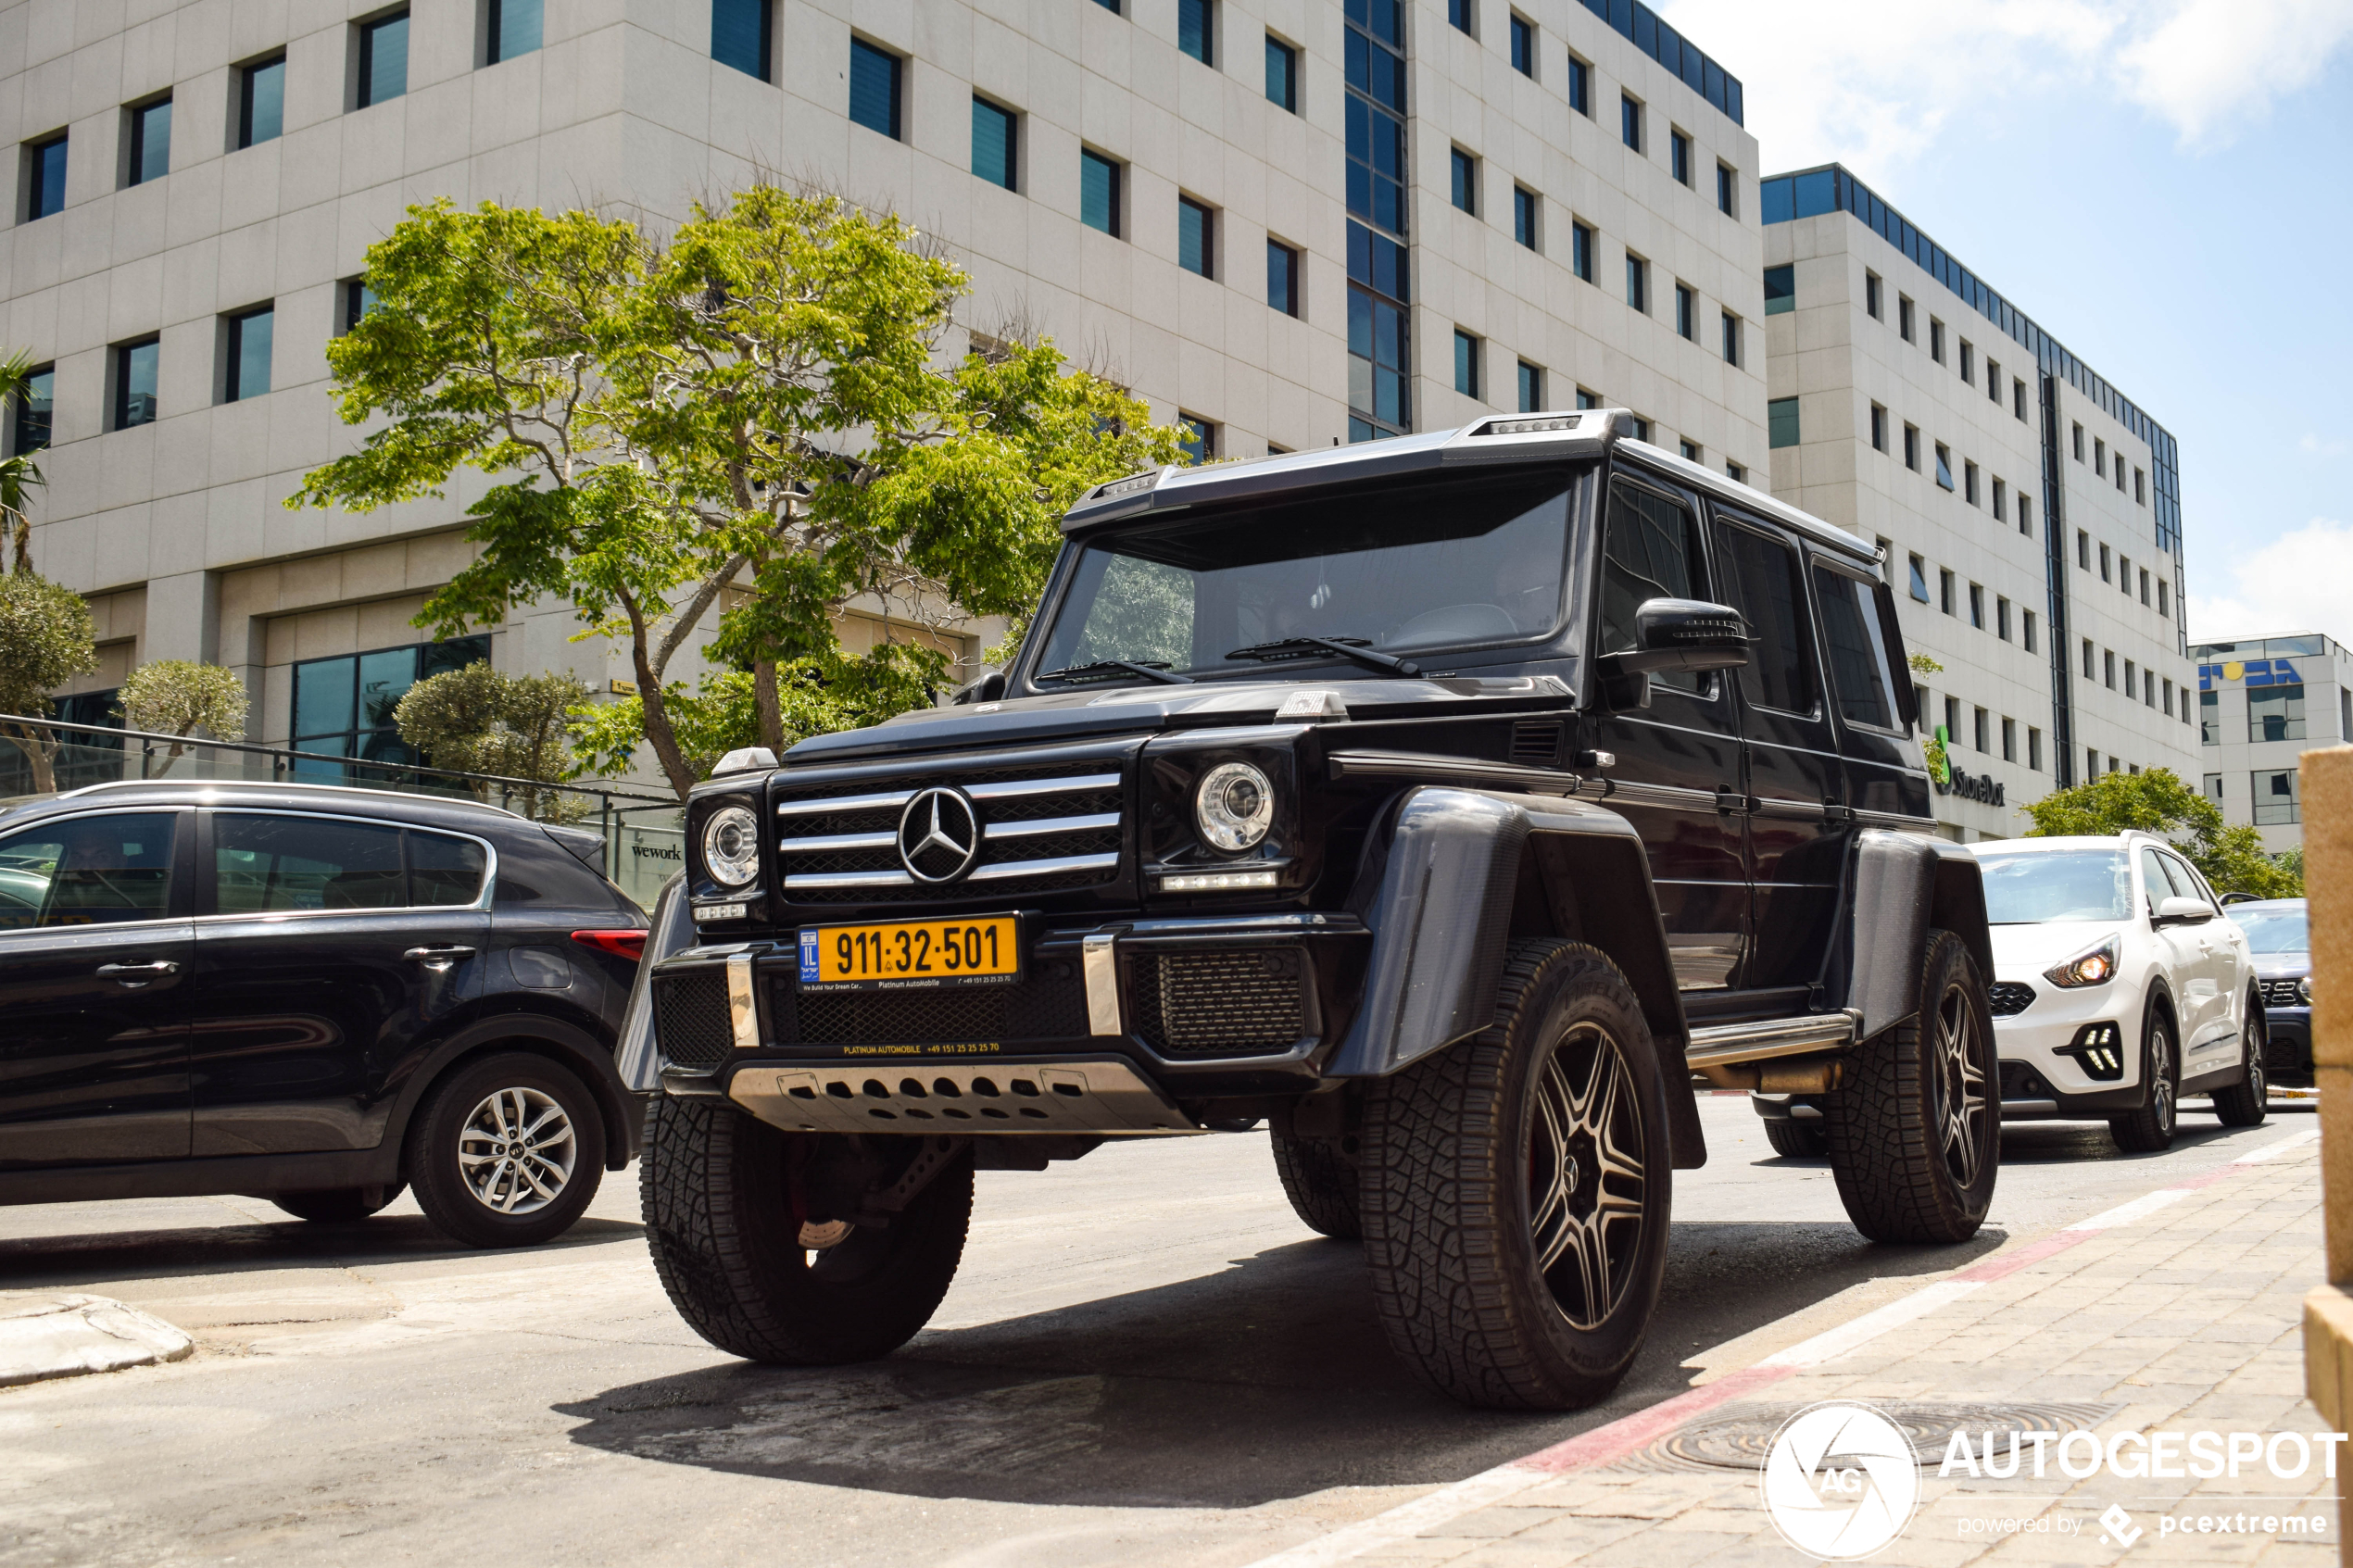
<point>2149,1130</point>
<point>2246,1102</point>
<point>507,1151</point>
<point>1517,1189</point>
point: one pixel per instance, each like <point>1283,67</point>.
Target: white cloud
<point>2294,583</point>
<point>1872,85</point>
<point>2315,446</point>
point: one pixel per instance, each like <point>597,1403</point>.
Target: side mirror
<point>2183,911</point>
<point>988,688</point>
<point>1683,634</point>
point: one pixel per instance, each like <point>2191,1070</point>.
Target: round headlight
<point>2303,990</point>
<point>731,846</point>
<point>1235,806</point>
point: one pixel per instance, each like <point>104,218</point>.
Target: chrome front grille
<point>2282,993</point>
<point>1042,827</point>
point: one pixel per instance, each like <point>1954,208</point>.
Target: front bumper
<point>1114,1028</point>
<point>2287,1057</point>
<point>2056,1061</point>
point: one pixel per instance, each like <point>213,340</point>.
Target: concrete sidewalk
<point>2176,1313</point>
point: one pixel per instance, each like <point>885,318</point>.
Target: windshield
<point>2064,885</point>
<point>2272,931</point>
<point>1406,567</point>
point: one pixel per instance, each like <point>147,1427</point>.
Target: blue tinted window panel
<point>384,61</point>
<point>742,34</point>
<point>1193,28</point>
<point>1193,248</point>
<point>1775,199</point>
<point>136,392</point>
<point>249,345</point>
<point>1282,278</point>
<point>47,193</point>
<point>1817,192</point>
<point>1282,75</point>
<point>874,87</point>
<point>261,108</point>
<point>995,131</point>
<point>150,141</point>
<point>1099,193</point>
<point>515,28</point>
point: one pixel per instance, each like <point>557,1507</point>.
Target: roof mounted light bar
<point>1528,427</point>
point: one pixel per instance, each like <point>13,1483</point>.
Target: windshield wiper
<point>1358,649</point>
<point>1112,669</point>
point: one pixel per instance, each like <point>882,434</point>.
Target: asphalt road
<point>1146,1359</point>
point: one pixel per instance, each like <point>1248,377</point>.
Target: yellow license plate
<point>912,954</point>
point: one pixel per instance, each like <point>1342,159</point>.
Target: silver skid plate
<point>1101,1096</point>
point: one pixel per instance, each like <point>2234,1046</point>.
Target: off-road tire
<point>2246,1102</point>
<point>720,1223</point>
<point>2150,1128</point>
<point>1796,1140</point>
<point>439,1147</point>
<point>1320,1178</point>
<point>1906,1174</point>
<point>338,1206</point>
<point>1454,1152</point>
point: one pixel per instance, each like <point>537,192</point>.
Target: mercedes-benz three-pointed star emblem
<point>939,835</point>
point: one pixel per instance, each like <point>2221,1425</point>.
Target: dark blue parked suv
<point>312,994</point>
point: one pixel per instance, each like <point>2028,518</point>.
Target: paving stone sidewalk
<point>2188,1319</point>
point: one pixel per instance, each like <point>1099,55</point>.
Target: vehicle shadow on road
<point>65,1261</point>
<point>1268,1380</point>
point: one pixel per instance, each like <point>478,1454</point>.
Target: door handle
<point>137,974</point>
<point>439,959</point>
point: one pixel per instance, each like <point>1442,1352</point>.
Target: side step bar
<point>1723,1044</point>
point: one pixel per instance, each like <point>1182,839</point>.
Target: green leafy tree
<point>477,720</point>
<point>179,697</point>
<point>20,475</point>
<point>2231,856</point>
<point>47,638</point>
<point>760,402</point>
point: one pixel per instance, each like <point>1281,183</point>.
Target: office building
<point>2030,512</point>
<point>2262,702</point>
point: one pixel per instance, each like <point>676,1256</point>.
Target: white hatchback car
<point>2120,986</point>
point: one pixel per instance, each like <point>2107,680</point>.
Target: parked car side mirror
<point>988,688</point>
<point>2183,911</point>
<point>1683,634</point>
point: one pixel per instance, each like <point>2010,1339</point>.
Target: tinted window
<point>89,870</point>
<point>1653,552</point>
<point>1857,652</point>
<point>535,870</point>
<point>443,870</point>
<point>263,863</point>
<point>1768,587</point>
<point>2025,889</point>
<point>2186,883</point>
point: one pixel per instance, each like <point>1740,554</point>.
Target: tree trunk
<point>38,755</point>
<point>659,733</point>
<point>771,710</point>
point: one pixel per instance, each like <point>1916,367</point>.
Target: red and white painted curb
<point>1605,1444</point>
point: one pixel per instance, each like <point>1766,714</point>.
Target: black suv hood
<point>1126,709</point>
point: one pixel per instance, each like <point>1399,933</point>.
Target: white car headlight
<point>1234,806</point>
<point>731,846</point>
<point>2094,966</point>
<point>2303,990</point>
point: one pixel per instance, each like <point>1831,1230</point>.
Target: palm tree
<point>20,474</point>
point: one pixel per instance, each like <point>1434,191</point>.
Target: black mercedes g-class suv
<point>1452,804</point>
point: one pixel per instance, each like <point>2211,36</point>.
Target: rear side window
<point>444,871</point>
<point>265,864</point>
<point>1768,587</point>
<point>537,871</point>
<point>1858,650</point>
<point>88,871</point>
<point>1652,552</point>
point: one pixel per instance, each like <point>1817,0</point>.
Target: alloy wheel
<point>1587,1180</point>
<point>1961,1106</point>
<point>2161,1077</point>
<point>517,1151</point>
<point>2257,1049</point>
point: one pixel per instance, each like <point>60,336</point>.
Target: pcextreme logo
<point>1840,1481</point>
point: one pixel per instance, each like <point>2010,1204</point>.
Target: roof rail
<point>135,784</point>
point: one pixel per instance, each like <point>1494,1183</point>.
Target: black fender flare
<point>1456,875</point>
<point>567,1044</point>
<point>1903,884</point>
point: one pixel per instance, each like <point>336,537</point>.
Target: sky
<point>2167,188</point>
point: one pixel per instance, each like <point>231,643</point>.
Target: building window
<point>2001,501</point>
<point>1099,182</point>
<point>2033,749</point>
<point>1581,87</point>
<point>343,707</point>
<point>2091,663</point>
<point>2274,713</point>
<point>2082,551</point>
<point>1282,75</point>
<point>2213,788</point>
<point>1524,215</point>
<point>742,36</point>
<point>1727,185</point>
<point>1977,605</point>
<point>2131,681</point>
<point>2091,763</point>
<point>1196,237</point>
<point>1588,399</point>
<point>1629,122</point>
<point>35,411</point>
<point>1686,312</point>
<point>384,61</point>
<point>1379,272</point>
<point>1951,721</point>
<point>1638,282</point>
<point>1690,450</point>
<point>1879,428</point>
<point>1738,474</point>
<point>1465,181</point>
<point>1282,277</point>
<point>2001,618</point>
<point>2275,800</point>
<point>1679,156</point>
<point>2210,718</point>
<point>1531,387</point>
<point>1581,250</point>
<point>1936,340</point>
<point>2079,442</point>
<point>1904,318</point>
<point>514,27</point>
<point>148,156</point>
<point>2010,740</point>
<point>874,87</point>
<point>1978,728</point>
<point>1732,338</point>
<point>1641,427</point>
<point>2140,487</point>
<point>1459,16</point>
<point>1523,45</point>
<point>1871,295</point>
<point>2026,631</point>
<point>134,383</point>
<point>1943,465</point>
<point>2169,699</point>
<point>2017,398</point>
<point>246,344</point>
<point>2120,474</point>
<point>1195,26</point>
<point>1969,363</point>
<point>1780,423</point>
<point>262,102</point>
<point>1780,290</point>
<point>1969,483</point>
<point>1946,596</point>
<point>1199,440</point>
<point>2107,668</point>
<point>2106,563</point>
<point>2026,517</point>
<point>2145,585</point>
<point>1912,447</point>
<point>2163,594</point>
<point>356,300</point>
<point>44,171</point>
<point>996,143</point>
<point>1466,357</point>
<point>2099,457</point>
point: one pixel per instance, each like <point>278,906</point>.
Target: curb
<point>46,1337</point>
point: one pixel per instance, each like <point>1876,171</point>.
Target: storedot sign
<point>1950,779</point>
